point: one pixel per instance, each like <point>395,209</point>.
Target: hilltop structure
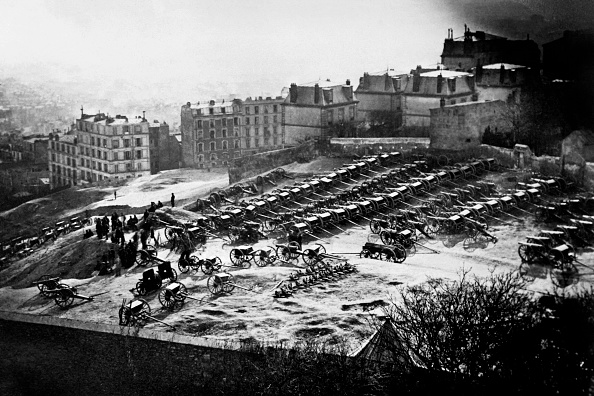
<point>480,48</point>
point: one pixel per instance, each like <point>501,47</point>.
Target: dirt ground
<point>340,309</point>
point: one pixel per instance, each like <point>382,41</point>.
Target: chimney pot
<point>348,82</point>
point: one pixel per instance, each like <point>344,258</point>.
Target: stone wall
<point>256,164</point>
<point>365,146</point>
<point>49,355</point>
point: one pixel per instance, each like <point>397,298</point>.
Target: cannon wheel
<point>310,257</point>
<point>433,226</point>
<point>211,265</point>
<point>229,286</point>
<point>565,275</point>
<point>234,235</point>
<point>170,233</point>
<point>236,256</point>
<point>375,226</point>
<point>215,286</point>
<point>411,250</point>
<point>42,286</point>
<point>184,265</point>
<point>269,225</point>
<point>400,253</point>
<point>64,298</point>
<point>264,257</point>
<point>140,288</point>
<point>386,238</point>
<point>145,312</point>
<point>525,253</point>
<point>169,301</point>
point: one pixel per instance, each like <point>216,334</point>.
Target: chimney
<point>188,104</point>
<point>348,82</point>
<point>501,74</point>
<point>439,82</point>
<point>81,111</point>
<point>143,115</point>
<point>293,93</point>
<point>316,93</point>
<point>442,102</point>
<point>479,73</point>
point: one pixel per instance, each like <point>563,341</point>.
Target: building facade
<point>211,133</point>
<point>117,147</point>
<point>480,48</point>
<point>502,81</point>
<point>462,125</point>
<point>425,90</point>
<point>380,92</point>
<point>63,160</point>
<point>262,124</point>
<point>312,109</point>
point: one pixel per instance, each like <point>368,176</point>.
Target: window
<point>93,151</point>
<point>247,109</point>
<point>256,142</point>
<point>200,134</point>
<point>247,143</point>
<point>236,144</point>
<point>224,145</point>
<point>275,109</point>
<point>213,157</point>
<point>223,109</point>
<point>128,155</point>
<point>128,167</point>
<point>53,157</point>
<point>212,134</point>
<point>275,119</point>
<point>247,120</point>
<point>201,158</point>
<point>274,129</point>
<point>200,147</point>
<point>352,112</point>
<point>211,110</point>
<point>275,140</point>
<point>68,161</point>
<point>236,121</point>
<point>88,151</point>
<point>212,146</point>
<point>265,119</point>
<point>126,142</point>
<point>139,166</point>
<point>330,117</point>
<point>453,101</point>
<point>138,154</point>
<point>247,132</point>
<point>105,155</point>
<point>199,124</point>
<point>341,114</point>
<point>211,123</point>
<point>53,145</point>
<point>256,131</point>
<point>115,143</point>
<point>104,167</point>
<point>88,164</point>
<point>224,133</point>
<point>256,120</point>
<point>138,142</point>
<point>92,140</point>
<point>126,129</point>
<point>104,142</point>
<point>256,109</point>
<point>235,132</point>
<point>265,109</point>
<point>115,155</point>
<point>224,121</point>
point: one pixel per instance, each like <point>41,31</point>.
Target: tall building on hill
<point>311,109</point>
<point>63,160</point>
<point>211,135</point>
<point>262,124</point>
<point>480,48</point>
<point>503,81</point>
<point>118,147</point>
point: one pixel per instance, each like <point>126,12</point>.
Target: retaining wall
<point>256,164</point>
<point>49,355</point>
<point>368,146</point>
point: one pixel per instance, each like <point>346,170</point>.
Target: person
<point>115,195</point>
<point>153,207</point>
<point>146,214</point>
<point>88,233</point>
<point>143,237</point>
<point>99,229</point>
<point>172,200</point>
<point>159,205</point>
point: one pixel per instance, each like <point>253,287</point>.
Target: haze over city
<point>184,50</point>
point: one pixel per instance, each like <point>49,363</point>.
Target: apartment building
<point>63,160</point>
<point>380,93</point>
<point>262,124</point>
<point>211,133</point>
<point>117,147</point>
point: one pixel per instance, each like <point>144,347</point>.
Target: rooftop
<point>445,74</point>
<point>473,103</point>
<point>506,66</point>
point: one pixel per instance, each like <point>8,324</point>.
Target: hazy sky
<point>229,43</point>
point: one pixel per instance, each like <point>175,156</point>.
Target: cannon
<point>405,238</point>
<point>174,295</point>
<point>222,283</point>
<point>136,313</point>
<point>243,256</point>
<point>394,253</point>
<point>65,296</point>
<point>46,283</point>
<point>152,280</point>
<point>207,265</point>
